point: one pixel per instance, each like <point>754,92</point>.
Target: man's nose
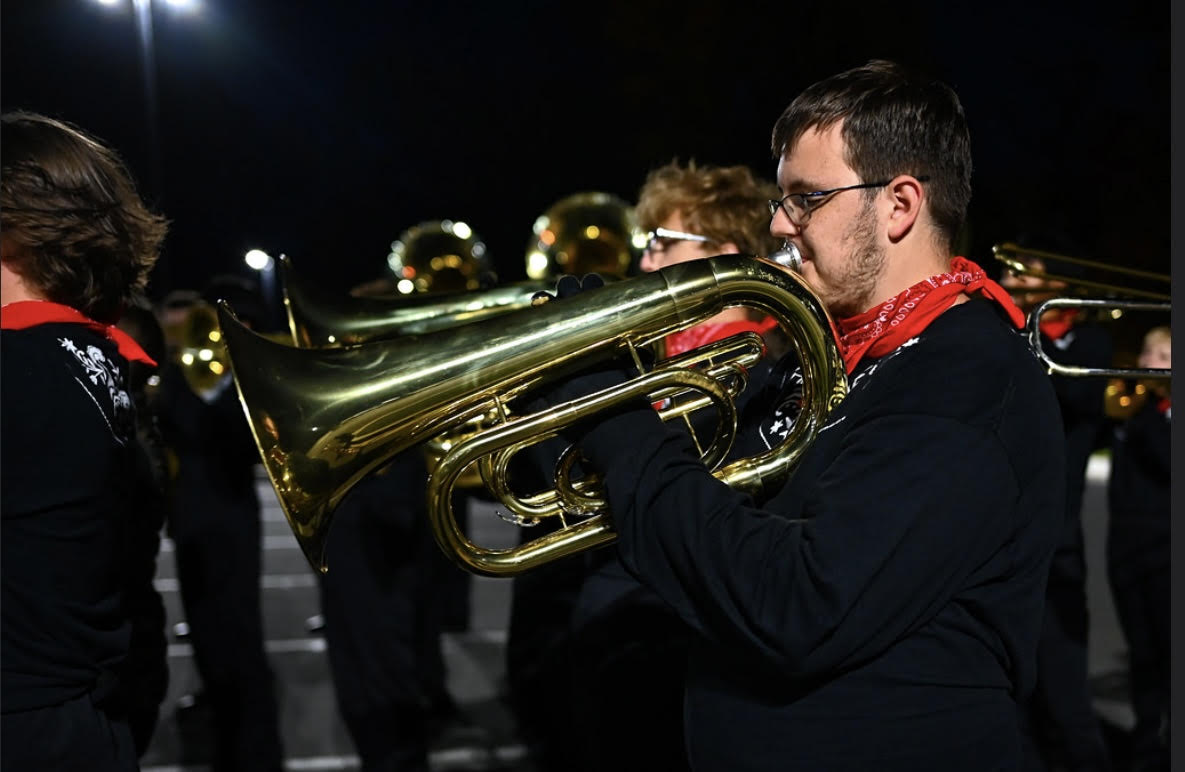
<point>648,263</point>
<point>780,225</point>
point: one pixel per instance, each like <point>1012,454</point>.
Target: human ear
<point>907,196</point>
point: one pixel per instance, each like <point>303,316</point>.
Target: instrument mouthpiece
<point>788,256</point>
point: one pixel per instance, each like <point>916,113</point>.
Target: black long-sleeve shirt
<point>78,553</point>
<point>882,609</point>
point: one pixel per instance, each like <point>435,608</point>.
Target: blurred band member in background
<point>389,592</point>
<point>1139,554</point>
<point>214,521</point>
<point>629,647</point>
<point>1059,724</point>
<point>691,212</point>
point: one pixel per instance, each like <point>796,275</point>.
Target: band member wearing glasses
<point>629,649</point>
<point>81,510</point>
<point>692,212</point>
<point>881,609</point>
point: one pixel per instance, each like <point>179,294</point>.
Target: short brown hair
<point>894,122</point>
<point>86,239</point>
<point>1161,334</point>
<point>724,203</point>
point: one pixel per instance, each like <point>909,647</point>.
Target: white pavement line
<point>266,582</point>
<point>1117,712</point>
<point>273,514</point>
<point>1098,468</point>
<point>444,758</point>
<point>269,543</point>
<point>316,643</point>
<point>312,644</point>
<point>483,636</point>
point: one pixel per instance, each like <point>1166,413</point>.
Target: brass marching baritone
<point>316,320</point>
<point>324,418</point>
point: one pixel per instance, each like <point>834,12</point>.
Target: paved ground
<point>315,738</point>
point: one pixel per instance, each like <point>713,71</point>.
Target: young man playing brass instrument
<point>881,610</point>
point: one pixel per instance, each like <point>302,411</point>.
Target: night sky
<point>322,130</point>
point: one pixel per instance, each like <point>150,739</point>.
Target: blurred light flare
<point>257,259</point>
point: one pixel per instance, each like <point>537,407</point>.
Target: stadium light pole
<point>142,10</point>
<point>265,264</point>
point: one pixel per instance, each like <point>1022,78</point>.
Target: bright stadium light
<point>258,259</point>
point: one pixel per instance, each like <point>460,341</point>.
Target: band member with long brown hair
<point>80,515</point>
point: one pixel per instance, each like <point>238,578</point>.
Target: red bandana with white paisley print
<point>882,329</point>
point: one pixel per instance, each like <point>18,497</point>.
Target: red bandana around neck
<point>30,313</point>
<point>882,329</point>
<point>1058,323</point>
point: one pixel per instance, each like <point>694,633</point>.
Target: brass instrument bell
<point>587,232</point>
<point>195,343</point>
<point>440,256</point>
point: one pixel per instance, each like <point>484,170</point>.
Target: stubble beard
<point>864,265</point>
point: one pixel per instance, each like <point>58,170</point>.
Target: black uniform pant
<point>1059,723</point>
<point>76,736</point>
<point>1141,592</point>
<point>218,568</point>
<point>382,608</point>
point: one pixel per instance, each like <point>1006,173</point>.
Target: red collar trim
<point>31,313</point>
<point>1058,323</point>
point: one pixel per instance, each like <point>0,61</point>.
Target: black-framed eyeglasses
<point>798,206</point>
<point>660,239</point>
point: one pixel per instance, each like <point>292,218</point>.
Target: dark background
<point>322,130</point>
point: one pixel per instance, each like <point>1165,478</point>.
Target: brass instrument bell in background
<point>195,342</point>
<point>440,256</point>
<point>587,232</point>
<point>1122,399</point>
<point>317,318</point>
